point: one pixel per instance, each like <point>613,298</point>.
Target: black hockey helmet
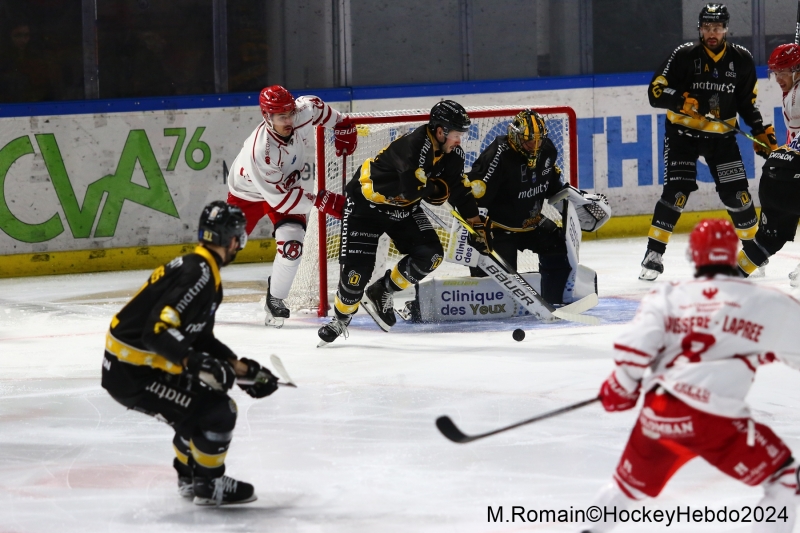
<point>714,13</point>
<point>220,222</point>
<point>449,115</point>
<point>527,126</point>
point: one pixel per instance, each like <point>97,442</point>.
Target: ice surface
<point>354,448</point>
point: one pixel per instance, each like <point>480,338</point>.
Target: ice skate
<point>222,490</point>
<point>652,266</point>
<point>379,303</point>
<point>185,483</point>
<point>276,310</point>
<point>760,272</point>
<point>794,277</point>
<point>333,330</point>
<point>410,312</point>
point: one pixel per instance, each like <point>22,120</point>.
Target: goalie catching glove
<point>345,137</point>
<point>592,209</point>
<point>209,371</point>
<point>767,137</point>
<point>481,240</point>
<point>257,381</point>
<point>330,203</point>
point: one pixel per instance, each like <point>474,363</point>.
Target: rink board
<point>120,185</point>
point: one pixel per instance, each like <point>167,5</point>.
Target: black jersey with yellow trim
<point>784,163</point>
<point>725,81</point>
<point>400,175</point>
<point>173,311</point>
<point>512,191</point>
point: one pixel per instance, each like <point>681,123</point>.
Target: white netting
<point>316,283</point>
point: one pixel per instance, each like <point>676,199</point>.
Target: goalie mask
<point>527,133</point>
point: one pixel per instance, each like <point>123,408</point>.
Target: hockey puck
<point>518,335</point>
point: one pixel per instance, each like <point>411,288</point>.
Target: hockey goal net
<point>318,276</point>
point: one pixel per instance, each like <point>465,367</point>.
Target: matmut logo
<point>710,293</point>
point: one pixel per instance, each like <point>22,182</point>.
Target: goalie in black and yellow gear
<point>511,179</point>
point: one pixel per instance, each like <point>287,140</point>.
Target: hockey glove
<point>440,191</point>
<point>481,240</point>
<point>258,381</point>
<point>595,213</point>
<point>766,136</point>
<point>330,203</point>
<point>691,106</point>
<point>615,397</point>
<point>209,371</point>
<point>345,137</point>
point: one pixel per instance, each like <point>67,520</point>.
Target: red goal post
<point>318,273</point>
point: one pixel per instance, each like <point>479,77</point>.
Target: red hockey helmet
<point>785,57</point>
<point>713,242</point>
<point>275,99</point>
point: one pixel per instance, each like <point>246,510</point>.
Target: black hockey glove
<point>481,240</point>
<point>440,191</point>
<point>209,371</point>
<point>258,381</point>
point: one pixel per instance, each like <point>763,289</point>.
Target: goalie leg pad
<point>555,270</point>
<point>289,240</point>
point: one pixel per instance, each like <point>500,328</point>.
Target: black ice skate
<point>185,483</point>
<point>411,312</point>
<point>652,266</point>
<point>276,310</point>
<point>379,303</point>
<point>222,491</point>
<point>336,328</point>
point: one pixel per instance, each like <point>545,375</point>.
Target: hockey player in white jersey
<point>784,64</point>
<point>265,180</point>
<point>693,349</point>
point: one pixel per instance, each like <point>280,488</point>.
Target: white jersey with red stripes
<point>268,168</point>
<point>791,111</point>
<point>704,339</point>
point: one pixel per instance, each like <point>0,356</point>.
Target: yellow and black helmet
<point>527,126</point>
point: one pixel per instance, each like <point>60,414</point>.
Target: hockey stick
<point>279,369</point>
<point>449,429</point>
<point>797,25</point>
<point>735,128</point>
<point>502,278</point>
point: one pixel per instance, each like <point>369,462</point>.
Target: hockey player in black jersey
<point>383,197</point>
<point>512,178</point>
<point>779,192</point>
<point>162,359</point>
<point>703,86</point>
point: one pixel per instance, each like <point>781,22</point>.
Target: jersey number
<point>694,344</point>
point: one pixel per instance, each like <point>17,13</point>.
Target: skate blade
<point>322,343</point>
<point>371,311</point>
<point>648,275</point>
<point>760,272</point>
<point>206,502</point>
<point>273,322</point>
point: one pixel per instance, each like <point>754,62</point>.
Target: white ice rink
<point>354,448</point>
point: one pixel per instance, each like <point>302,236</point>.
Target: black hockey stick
<point>797,25</point>
<point>449,429</point>
<point>735,128</point>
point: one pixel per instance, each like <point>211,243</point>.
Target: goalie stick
<point>448,428</point>
<point>519,289</point>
